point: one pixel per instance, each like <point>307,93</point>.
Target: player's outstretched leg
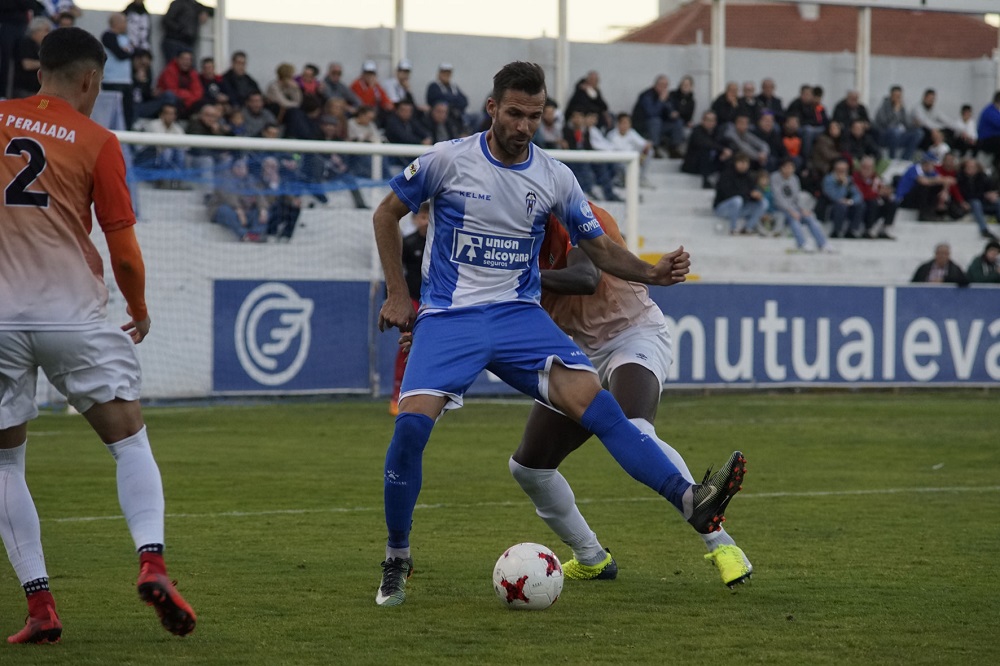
<point>634,451</point>
<point>556,505</point>
<point>403,475</point>
<point>732,563</point>
<point>705,506</point>
<point>22,537</point>
<point>140,494</point>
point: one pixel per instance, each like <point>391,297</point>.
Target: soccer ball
<point>528,576</point>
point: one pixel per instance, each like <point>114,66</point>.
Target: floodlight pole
<point>718,56</point>
<point>996,59</point>
<point>398,50</point>
<point>863,57</point>
<point>220,25</point>
<point>562,60</point>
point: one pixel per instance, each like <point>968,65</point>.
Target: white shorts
<point>650,347</point>
<point>90,366</point>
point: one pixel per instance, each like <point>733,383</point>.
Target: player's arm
<point>398,308</point>
<point>612,258</point>
<point>130,276</point>
<point>580,277</point>
<point>113,208</point>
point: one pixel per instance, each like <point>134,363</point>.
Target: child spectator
<point>283,209</point>
<point>787,193</point>
<point>844,200</point>
<point>980,193</point>
<point>309,81</point>
<point>239,205</point>
<point>985,267</point>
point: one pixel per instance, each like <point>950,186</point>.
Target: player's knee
<point>412,432</point>
<point>529,478</point>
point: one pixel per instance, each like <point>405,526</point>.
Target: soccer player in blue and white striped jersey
<point>491,195</point>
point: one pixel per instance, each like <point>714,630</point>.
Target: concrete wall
<point>626,69</point>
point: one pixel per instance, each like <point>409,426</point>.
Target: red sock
<point>39,604</point>
<point>154,561</point>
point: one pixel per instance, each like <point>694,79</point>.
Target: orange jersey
<point>617,305</point>
<point>56,163</point>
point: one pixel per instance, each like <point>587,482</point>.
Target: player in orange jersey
<point>626,338</point>
<point>56,163</point>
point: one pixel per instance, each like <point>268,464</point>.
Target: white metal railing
<point>379,150</point>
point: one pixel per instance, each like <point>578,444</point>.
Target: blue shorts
<point>518,342</point>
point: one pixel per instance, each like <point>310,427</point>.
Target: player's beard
<point>511,142</point>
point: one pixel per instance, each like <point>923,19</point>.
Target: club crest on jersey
<point>411,169</point>
<point>507,253</point>
<point>586,210</point>
<point>529,203</point>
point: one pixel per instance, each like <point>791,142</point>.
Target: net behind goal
<point>262,272</point>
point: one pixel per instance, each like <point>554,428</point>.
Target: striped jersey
<point>56,162</point>
<point>487,220</point>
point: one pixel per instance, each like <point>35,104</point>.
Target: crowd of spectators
<point>984,268</point>
<point>844,160</point>
<point>748,146</point>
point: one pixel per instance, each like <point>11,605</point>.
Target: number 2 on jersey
<point>16,193</point>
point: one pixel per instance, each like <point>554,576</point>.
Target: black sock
<point>151,548</point>
<point>37,585</point>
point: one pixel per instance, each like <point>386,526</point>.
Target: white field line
<point>521,503</point>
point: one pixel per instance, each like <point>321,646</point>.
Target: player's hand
<point>397,312</point>
<point>405,342</point>
<point>672,268</point>
<point>137,330</point>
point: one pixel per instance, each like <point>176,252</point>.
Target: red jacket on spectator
<point>956,194</point>
<point>869,187</point>
<point>186,85</point>
<point>373,96</point>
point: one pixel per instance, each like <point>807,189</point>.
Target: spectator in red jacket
<point>179,78</point>
<point>368,90</point>
<point>880,203</point>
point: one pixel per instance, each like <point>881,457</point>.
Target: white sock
<point>19,526</point>
<point>555,504</point>
<point>394,553</point>
<point>712,540</point>
<point>140,489</point>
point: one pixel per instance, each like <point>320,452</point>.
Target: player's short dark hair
<point>67,50</point>
<point>527,77</point>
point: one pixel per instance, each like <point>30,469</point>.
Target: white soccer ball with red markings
<point>528,576</point>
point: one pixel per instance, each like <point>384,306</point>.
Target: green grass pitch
<point>871,519</point>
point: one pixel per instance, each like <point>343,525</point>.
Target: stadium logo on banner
<point>273,318</point>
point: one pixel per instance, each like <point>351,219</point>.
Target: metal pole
<point>996,58</point>
<point>632,204</point>
<point>718,81</point>
<point>863,57</point>
<point>398,36</point>
<point>562,60</point>
<point>220,23</point>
